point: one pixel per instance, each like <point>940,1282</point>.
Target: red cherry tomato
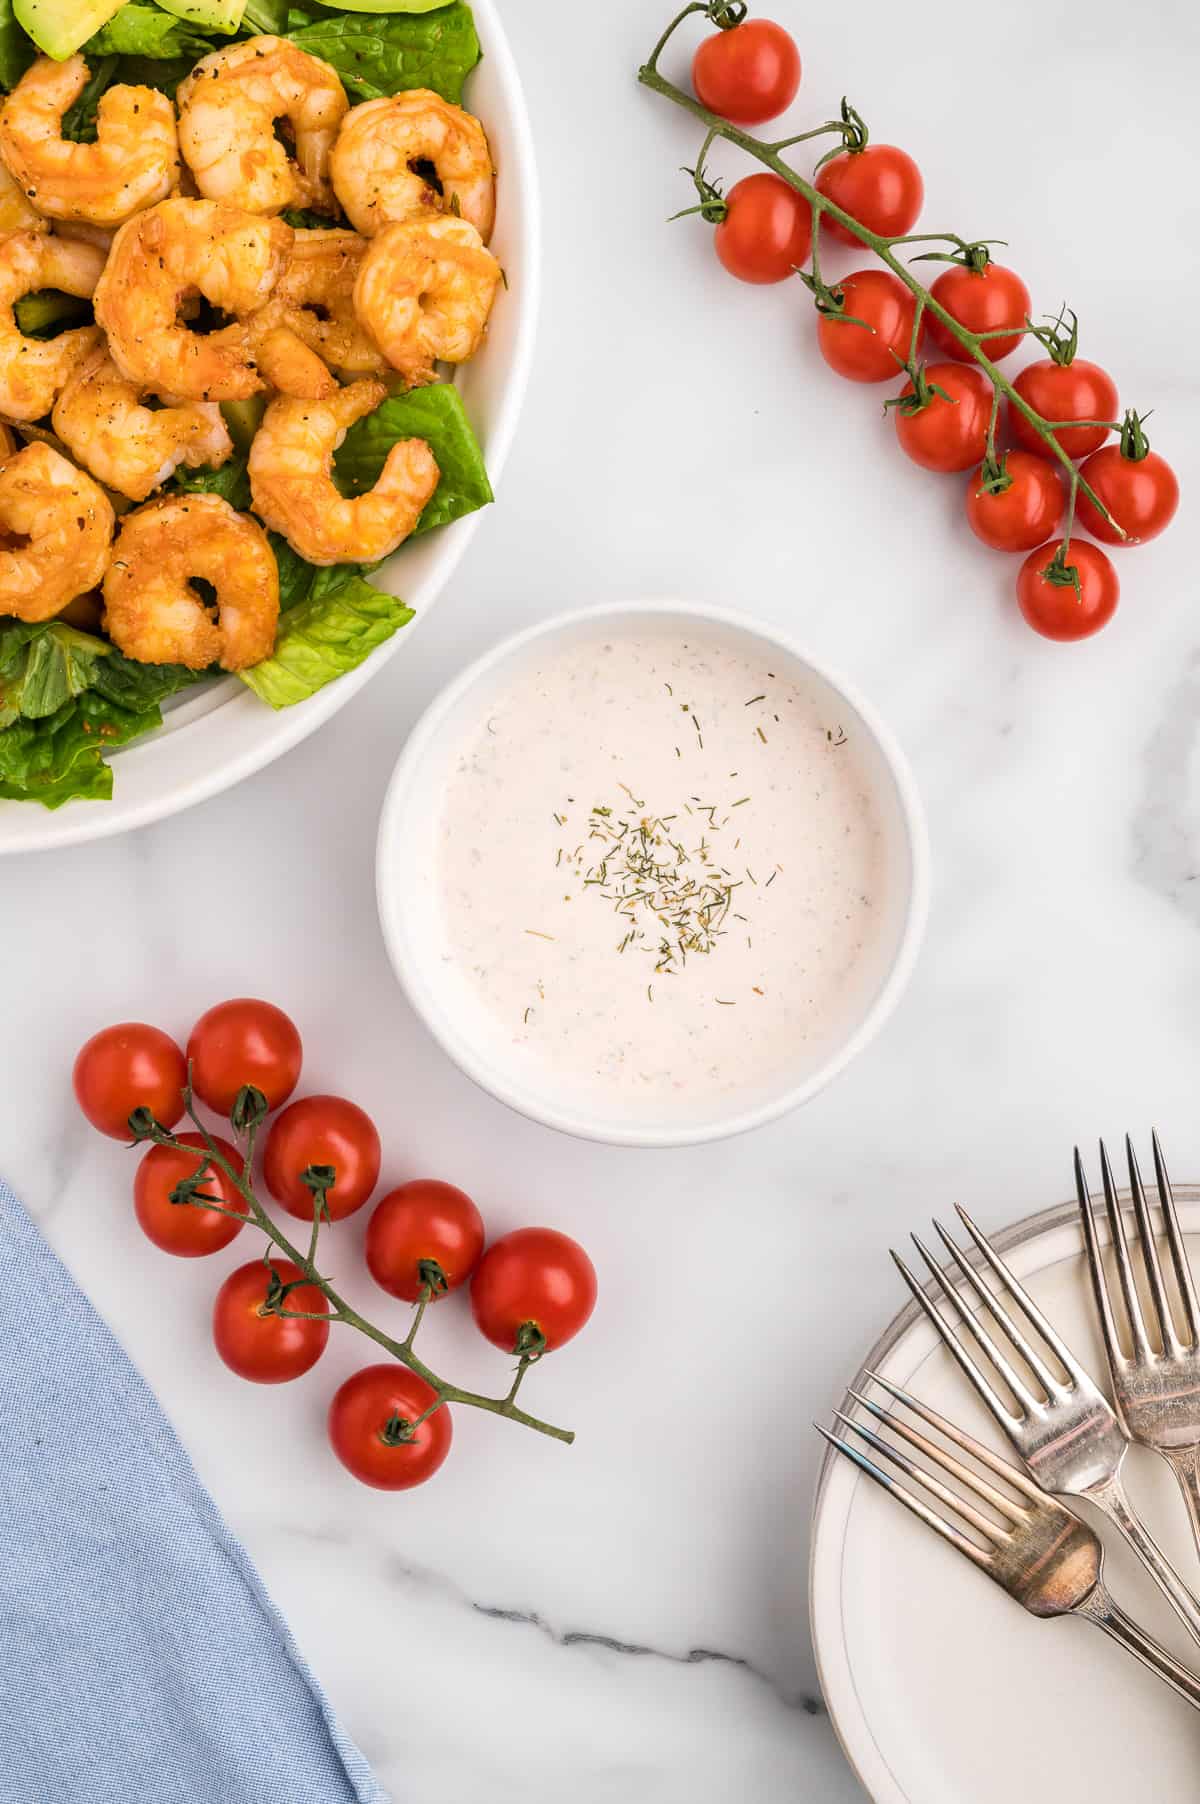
<point>1022,515</point>
<point>187,1229</point>
<point>880,186</point>
<point>131,1066</point>
<point>322,1130</point>
<point>422,1222</point>
<point>533,1291</point>
<point>982,300</point>
<point>1065,391</point>
<point>368,1418</point>
<point>749,73</point>
<point>1136,485</point>
<point>244,1042</point>
<point>268,1349</point>
<point>1054,610</point>
<point>947,434</point>
<point>766,233</point>
<point>876,350</point>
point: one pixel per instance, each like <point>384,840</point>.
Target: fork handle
<point>1185,1464</point>
<point>1100,1609</point>
<point>1112,1499</point>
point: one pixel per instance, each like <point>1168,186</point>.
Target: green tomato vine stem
<point>340,1310</point>
<point>768,153</point>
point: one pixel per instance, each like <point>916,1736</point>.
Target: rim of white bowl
<point>91,821</point>
<point>519,1097</point>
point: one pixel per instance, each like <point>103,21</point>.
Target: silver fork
<point>1069,1438</point>
<point>1039,1552</point>
<point>1156,1388</point>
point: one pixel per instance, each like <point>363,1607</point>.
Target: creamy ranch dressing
<point>723,775</point>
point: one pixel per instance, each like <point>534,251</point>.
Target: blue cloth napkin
<point>141,1660</point>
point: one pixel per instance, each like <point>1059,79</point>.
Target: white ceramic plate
<point>221,733</point>
<point>941,1688</point>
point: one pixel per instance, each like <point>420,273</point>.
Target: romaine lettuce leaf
<point>231,482</point>
<point>383,53</point>
<point>61,757</point>
<point>437,415</point>
<point>17,50</point>
<point>338,624</point>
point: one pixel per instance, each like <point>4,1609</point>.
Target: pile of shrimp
<point>174,211</point>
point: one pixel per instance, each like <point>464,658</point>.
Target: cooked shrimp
<point>33,370</point>
<point>312,306</point>
<point>228,106</point>
<point>152,611</point>
<point>56,528</point>
<point>292,484</point>
<point>376,163</point>
<point>17,211</point>
<point>159,263</point>
<point>133,162</point>
<point>424,292</point>
<point>129,447</point>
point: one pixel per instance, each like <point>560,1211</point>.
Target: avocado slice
<point>211,15</point>
<point>243,419</point>
<point>59,27</point>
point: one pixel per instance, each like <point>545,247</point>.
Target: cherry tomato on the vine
<point>1022,514</point>
<point>1078,390</point>
<point>766,233</point>
<point>1137,486</point>
<point>186,1229</point>
<point>879,185</point>
<point>748,73</point>
<point>982,300</point>
<point>322,1130</point>
<point>369,1418</point>
<point>876,350</point>
<point>1053,608</point>
<point>268,1349</point>
<point>244,1042</point>
<point>127,1067</point>
<point>420,1222</point>
<point>534,1289</point>
<point>950,431</point>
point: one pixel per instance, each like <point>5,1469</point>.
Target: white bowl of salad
<point>93,744</point>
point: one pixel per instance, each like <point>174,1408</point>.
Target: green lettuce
<point>437,415</point>
<point>377,54</point>
<point>270,16</point>
<point>330,631</point>
<point>231,482</point>
<point>17,50</point>
<point>66,697</point>
<point>139,30</point>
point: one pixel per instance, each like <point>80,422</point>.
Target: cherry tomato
<point>1065,391</point>
<point>131,1066</point>
<point>368,1417</point>
<point>1055,610</point>
<point>879,185</point>
<point>534,1289</point>
<point>748,73</point>
<point>187,1229</point>
<point>947,434</point>
<point>1022,515</point>
<point>322,1130</point>
<point>876,350</point>
<point>244,1042</point>
<point>1137,486</point>
<point>268,1349</point>
<point>766,233</point>
<point>421,1222</point>
<point>982,300</point>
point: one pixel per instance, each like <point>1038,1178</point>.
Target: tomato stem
<point>143,1126</point>
<point>1058,339</point>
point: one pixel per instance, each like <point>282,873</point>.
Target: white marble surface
<point>627,1620</point>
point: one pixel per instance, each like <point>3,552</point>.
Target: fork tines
<point>992,1533</point>
<point>1165,1323</point>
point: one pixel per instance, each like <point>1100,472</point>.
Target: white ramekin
<point>407,888</point>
